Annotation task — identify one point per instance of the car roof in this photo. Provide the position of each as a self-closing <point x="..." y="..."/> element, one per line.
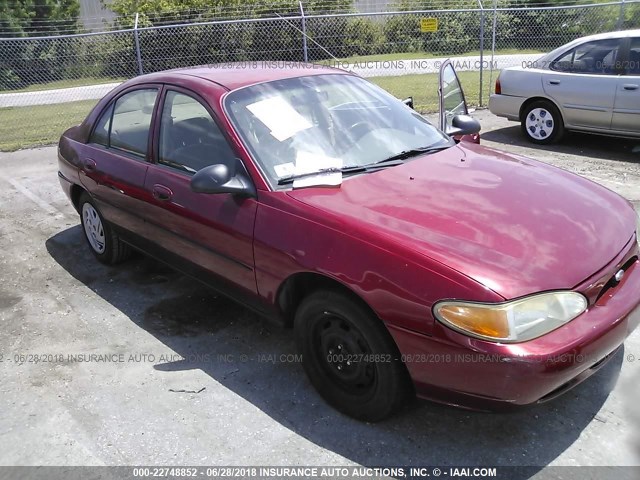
<point x="241" y="74"/>
<point x="608" y="35"/>
<point x="599" y="36"/>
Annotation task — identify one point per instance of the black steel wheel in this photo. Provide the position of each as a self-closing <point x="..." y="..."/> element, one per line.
<point x="350" y="356"/>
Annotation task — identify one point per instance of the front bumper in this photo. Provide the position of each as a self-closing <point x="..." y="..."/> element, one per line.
<point x="453" y="368"/>
<point x="506" y="106"/>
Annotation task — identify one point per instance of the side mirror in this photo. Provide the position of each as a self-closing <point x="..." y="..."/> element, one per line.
<point x="408" y="102"/>
<point x="463" y="125"/>
<point x="218" y="178"/>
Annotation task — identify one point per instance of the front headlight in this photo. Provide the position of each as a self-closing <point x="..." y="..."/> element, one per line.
<point x="514" y="321"/>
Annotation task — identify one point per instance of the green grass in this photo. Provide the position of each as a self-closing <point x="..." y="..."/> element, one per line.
<point x="424" y="88"/>
<point x="26" y="127"/>
<point x="77" y="82"/>
<point x="418" y="55"/>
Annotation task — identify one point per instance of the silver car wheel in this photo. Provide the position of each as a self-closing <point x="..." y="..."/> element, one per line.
<point x="540" y="124"/>
<point x="93" y="228"/>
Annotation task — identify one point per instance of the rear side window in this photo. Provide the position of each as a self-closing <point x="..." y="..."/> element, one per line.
<point x="596" y="57"/>
<point x="633" y="67"/>
<point x="100" y="133"/>
<point x="131" y="121"/>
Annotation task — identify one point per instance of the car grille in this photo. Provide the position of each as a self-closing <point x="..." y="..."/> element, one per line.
<point x="604" y="282"/>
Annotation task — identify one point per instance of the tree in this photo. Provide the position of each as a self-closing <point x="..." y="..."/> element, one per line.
<point x="154" y="12"/>
<point x="20" y="18"/>
<point x="33" y="61"/>
<point x="13" y="18"/>
<point x="277" y="39"/>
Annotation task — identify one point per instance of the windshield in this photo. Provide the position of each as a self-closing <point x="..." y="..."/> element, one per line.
<point x="325" y="122"/>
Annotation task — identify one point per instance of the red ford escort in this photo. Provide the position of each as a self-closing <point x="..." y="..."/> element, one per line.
<point x="407" y="262"/>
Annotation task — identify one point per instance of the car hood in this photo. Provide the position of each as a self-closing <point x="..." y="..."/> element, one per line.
<point x="513" y="224"/>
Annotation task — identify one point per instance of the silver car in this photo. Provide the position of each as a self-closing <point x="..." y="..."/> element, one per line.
<point x="591" y="85"/>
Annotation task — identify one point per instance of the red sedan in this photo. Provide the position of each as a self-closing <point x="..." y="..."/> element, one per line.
<point x="406" y="261"/>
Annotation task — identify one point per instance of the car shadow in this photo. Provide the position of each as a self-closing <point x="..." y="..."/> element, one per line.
<point x="256" y="359"/>
<point x="588" y="145"/>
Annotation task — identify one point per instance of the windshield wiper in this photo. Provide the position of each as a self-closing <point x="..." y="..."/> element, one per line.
<point x="414" y="152"/>
<point x="351" y="169"/>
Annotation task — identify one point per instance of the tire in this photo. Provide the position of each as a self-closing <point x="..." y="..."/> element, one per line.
<point x="103" y="241"/>
<point x="542" y="123"/>
<point x="332" y="332"/>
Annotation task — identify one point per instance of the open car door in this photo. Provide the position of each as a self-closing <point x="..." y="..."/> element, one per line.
<point x="453" y="103"/>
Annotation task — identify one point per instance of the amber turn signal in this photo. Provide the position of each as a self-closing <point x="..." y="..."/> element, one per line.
<point x="482" y="321"/>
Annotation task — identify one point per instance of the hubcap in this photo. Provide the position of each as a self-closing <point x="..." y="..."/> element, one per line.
<point x="93" y="228"/>
<point x="539" y="123"/>
<point x="345" y="355"/>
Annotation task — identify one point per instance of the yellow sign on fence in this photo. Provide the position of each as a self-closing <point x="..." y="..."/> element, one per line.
<point x="429" y="24"/>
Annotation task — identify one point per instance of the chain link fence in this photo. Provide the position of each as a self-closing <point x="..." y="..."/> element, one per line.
<point x="401" y="50"/>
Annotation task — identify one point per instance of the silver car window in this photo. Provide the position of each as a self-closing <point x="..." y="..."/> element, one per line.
<point x="633" y="65"/>
<point x="595" y="57"/>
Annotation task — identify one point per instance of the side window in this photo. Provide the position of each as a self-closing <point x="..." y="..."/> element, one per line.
<point x="633" y="68"/>
<point x="189" y="138"/>
<point x="597" y="57"/>
<point x="452" y="94"/>
<point x="132" y="121"/>
<point x="100" y="133"/>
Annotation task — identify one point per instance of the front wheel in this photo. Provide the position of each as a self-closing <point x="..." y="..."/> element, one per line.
<point x="542" y="123"/>
<point x="349" y="356"/>
<point x="104" y="243"/>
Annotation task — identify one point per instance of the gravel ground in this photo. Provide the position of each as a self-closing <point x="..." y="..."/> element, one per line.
<point x="182" y="376"/>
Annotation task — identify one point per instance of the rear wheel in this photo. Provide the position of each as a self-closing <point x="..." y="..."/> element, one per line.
<point x="104" y="243"/>
<point x="542" y="122"/>
<point x="350" y="357"/>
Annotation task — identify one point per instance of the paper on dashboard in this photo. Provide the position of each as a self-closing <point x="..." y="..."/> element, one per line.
<point x="282" y="120"/>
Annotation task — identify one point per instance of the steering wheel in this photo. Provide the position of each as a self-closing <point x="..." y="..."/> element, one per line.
<point x="273" y="151"/>
<point x="352" y="134"/>
<point x="360" y="128"/>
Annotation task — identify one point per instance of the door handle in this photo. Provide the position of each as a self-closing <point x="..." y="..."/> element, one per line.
<point x="114" y="188"/>
<point x="630" y="86"/>
<point x="554" y="82"/>
<point x="89" y="165"/>
<point x="162" y="193"/>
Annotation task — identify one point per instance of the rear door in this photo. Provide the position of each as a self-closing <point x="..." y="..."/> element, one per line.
<point x="212" y="233"/>
<point x="626" y="110"/>
<point x="583" y="83"/>
<point x="116" y="158"/>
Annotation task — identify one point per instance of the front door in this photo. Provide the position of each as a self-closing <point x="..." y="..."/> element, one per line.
<point x="212" y="232"/>
<point x="451" y="95"/>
